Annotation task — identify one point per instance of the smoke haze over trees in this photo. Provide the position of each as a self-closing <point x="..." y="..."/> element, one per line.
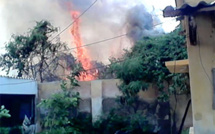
<point x="106" y="19"/>
<point x="34" y="55"/>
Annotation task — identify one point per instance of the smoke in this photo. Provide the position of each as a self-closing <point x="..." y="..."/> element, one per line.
<point x="20" y="15"/>
<point x="106" y="19"/>
<point x="141" y="23"/>
<point x="112" y="18"/>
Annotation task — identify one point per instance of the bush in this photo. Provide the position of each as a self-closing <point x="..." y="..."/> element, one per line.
<point x="4" y="112"/>
<point x="144" y="65"/>
<point x="4" y="130"/>
<point x="61" y="108"/>
<point x="115" y="122"/>
<point x="11" y="130"/>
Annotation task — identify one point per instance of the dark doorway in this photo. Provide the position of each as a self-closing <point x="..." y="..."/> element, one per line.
<point x="19" y="106"/>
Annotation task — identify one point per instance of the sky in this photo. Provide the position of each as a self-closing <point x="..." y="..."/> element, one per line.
<point x="17" y="16"/>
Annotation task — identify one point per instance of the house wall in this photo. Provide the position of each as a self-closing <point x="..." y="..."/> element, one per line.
<point x="99" y="97"/>
<point x="201" y="62"/>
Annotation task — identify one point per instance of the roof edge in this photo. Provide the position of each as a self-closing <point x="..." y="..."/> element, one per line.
<point x="186" y="9"/>
<point x="15" y="77"/>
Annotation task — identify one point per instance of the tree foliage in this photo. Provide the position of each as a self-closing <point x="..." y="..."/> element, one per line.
<point x="4" y="112"/>
<point x="144" y="64"/>
<point x="34" y="54"/>
<point x="61" y="108"/>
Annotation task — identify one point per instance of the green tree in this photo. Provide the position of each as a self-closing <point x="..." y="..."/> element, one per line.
<point x="62" y="107"/>
<point x="144" y="64"/>
<point x="35" y="54"/>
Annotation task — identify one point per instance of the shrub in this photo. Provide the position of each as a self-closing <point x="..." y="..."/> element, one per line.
<point x="4" y="112"/>
<point x="4" y="130"/>
<point x="11" y="130"/>
<point x="60" y="107"/>
<point x="115" y="122"/>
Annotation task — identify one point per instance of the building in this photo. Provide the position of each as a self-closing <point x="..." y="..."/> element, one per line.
<point x="18" y="95"/>
<point x="198" y="20"/>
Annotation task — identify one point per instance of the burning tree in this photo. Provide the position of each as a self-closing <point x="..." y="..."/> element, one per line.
<point x="35" y="55"/>
<point x="82" y="55"/>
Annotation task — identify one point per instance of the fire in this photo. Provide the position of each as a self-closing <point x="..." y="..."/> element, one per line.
<point x="82" y="54"/>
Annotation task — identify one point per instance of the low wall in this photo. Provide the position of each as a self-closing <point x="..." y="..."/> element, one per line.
<point x="99" y="96"/>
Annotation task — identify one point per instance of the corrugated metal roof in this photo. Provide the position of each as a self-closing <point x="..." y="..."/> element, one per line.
<point x="192" y="3"/>
<point x="201" y="4"/>
<point x="186" y="9"/>
<point x="14" y="77"/>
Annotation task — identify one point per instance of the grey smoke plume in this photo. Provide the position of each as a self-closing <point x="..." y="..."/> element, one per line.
<point x="141" y="23"/>
<point x="106" y="19"/>
<point x="109" y="19"/>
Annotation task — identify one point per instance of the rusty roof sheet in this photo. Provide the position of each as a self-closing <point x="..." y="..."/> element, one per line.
<point x="186" y="9"/>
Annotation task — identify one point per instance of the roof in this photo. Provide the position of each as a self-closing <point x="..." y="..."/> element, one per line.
<point x="178" y="66"/>
<point x="187" y="9"/>
<point x="17" y="86"/>
<point x="14" y="77"/>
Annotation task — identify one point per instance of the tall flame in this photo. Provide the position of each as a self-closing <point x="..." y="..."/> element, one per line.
<point x="82" y="54"/>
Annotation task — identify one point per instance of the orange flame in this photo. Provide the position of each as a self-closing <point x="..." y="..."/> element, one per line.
<point x="82" y="55"/>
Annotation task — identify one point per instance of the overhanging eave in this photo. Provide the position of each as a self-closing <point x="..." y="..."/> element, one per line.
<point x="178" y="66"/>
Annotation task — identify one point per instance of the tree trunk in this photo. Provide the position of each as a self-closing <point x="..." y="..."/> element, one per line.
<point x="42" y="62"/>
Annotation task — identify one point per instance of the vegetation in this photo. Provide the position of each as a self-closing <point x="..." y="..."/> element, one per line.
<point x="35" y="54"/>
<point x="186" y="131"/>
<point x="4" y="112"/>
<point x="62" y="108"/>
<point x="144" y="65"/>
<point x="137" y="69"/>
<point x="63" y="117"/>
<point x="116" y="122"/>
<point x="11" y="130"/>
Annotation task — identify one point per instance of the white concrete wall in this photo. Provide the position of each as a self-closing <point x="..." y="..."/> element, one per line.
<point x="96" y="99"/>
<point x="17" y="86"/>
